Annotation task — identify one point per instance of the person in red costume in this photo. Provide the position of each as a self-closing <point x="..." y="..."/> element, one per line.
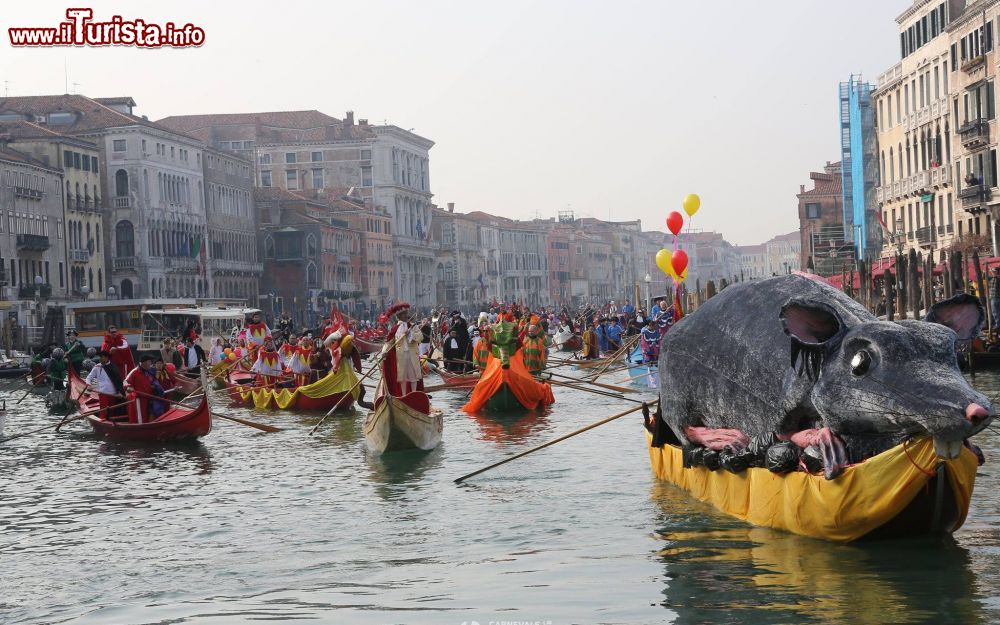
<point x="268" y="365"/>
<point x="139" y="383"/>
<point x="401" y="361"/>
<point x="117" y="346"/>
<point x="257" y="333"/>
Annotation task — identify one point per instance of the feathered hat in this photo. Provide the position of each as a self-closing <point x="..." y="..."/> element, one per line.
<point x="395" y="308"/>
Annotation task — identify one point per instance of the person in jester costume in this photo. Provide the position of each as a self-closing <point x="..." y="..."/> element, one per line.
<point x="504" y="334"/>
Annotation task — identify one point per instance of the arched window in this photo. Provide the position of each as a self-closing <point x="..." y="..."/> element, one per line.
<point x="90" y="282"/>
<point x="121" y="183"/>
<point x="311" y="249"/>
<point x="312" y="278"/>
<point x="126" y="291"/>
<point x="268" y="247"/>
<point x="79" y="198"/>
<point x="124" y="239"/>
<point x="100" y="280"/>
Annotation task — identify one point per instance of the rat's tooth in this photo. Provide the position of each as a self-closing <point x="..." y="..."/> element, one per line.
<point x="947" y="449"/>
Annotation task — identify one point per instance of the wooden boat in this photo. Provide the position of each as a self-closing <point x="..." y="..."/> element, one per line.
<point x="566" y="341"/>
<point x="176" y="424"/>
<point x="458" y="380"/>
<point x="186" y="385"/>
<point x="640" y="374"/>
<point x="367" y="346"/>
<point x="399" y="423"/>
<point x="904" y="491"/>
<point x="508" y="390"/>
<point x="595" y="363"/>
<point x="324" y="394"/>
<point x="979" y="361"/>
<point x="13" y="370"/>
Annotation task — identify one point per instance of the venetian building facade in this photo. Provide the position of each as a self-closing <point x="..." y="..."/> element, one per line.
<point x="401" y="181"/>
<point x="916" y="196"/>
<point x="233" y="266"/>
<point x="973" y="69"/>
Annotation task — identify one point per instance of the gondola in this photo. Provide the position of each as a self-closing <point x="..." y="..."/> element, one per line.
<point x="176" y="424"/>
<point x="566" y="341"/>
<point x="508" y="390"/>
<point x="400" y="423"/>
<point x="458" y="380"/>
<point x="904" y="491"/>
<point x="643" y="375"/>
<point x="367" y="345"/>
<point x="337" y="389"/>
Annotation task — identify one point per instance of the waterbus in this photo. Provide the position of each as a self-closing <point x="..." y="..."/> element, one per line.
<point x="91" y="319"/>
<point x="215" y="322"/>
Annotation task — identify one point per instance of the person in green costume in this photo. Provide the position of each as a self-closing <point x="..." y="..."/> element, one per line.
<point x="76" y="351"/>
<point x="57" y="369"/>
<point x="504" y="339"/>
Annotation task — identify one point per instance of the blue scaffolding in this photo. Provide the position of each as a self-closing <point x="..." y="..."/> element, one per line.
<point x="858" y="150"/>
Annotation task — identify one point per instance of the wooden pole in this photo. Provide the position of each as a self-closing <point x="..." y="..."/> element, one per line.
<point x="901" y="286"/>
<point x="556" y="440"/>
<point x="888" y="289"/>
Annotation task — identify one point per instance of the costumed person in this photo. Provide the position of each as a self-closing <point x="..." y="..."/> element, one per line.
<point x="165" y="375"/>
<point x="533" y="350"/>
<point x="169" y="353"/>
<point x="194" y="356"/>
<point x="299" y="362"/>
<point x="268" y="364"/>
<point x="106" y="379"/>
<point x="256" y="333"/>
<point x="650" y="339"/>
<point x="217" y="354"/>
<point x="503" y="336"/>
<point x="452" y="351"/>
<point x="613" y="332"/>
<point x="602" y="334"/>
<point x="591" y="347"/>
<point x="401" y="369"/>
<point x="117" y="346"/>
<point x="76" y="351"/>
<point x="461" y="328"/>
<point x="481" y="352"/>
<point x="288" y="350"/>
<point x="320" y="361"/>
<point x="56" y="369"/>
<point x="141" y="391"/>
<point x="345" y="356"/>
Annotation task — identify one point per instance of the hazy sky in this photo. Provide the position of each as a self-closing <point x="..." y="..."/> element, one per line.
<point x="611" y="109"/>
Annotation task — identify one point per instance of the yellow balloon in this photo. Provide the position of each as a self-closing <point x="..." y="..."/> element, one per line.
<point x="663" y="262"/>
<point x="691" y="204"/>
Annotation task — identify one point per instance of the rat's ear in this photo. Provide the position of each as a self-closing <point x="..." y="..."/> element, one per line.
<point x="962" y="313"/>
<point x="814" y="328"/>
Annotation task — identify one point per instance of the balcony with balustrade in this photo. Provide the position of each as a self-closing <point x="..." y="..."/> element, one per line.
<point x="32" y="242"/>
<point x="79" y="255"/>
<point x="122" y="263"/>
<point x="975" y="134"/>
<point x="974" y="197"/>
<point x="123" y="202"/>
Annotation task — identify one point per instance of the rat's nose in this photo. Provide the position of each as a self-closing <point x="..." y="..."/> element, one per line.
<point x="975" y="413"/>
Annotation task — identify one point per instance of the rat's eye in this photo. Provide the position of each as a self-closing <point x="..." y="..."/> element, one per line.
<point x="861" y="362"/>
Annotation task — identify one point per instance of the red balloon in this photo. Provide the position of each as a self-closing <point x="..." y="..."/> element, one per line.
<point x="170" y="367"/>
<point x="675" y="222"/>
<point x="679" y="261"/>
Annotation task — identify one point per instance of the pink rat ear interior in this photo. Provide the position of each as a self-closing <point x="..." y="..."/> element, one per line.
<point x="809" y="322"/>
<point x="962" y="313"/>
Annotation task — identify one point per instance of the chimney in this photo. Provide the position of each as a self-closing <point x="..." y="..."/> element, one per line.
<point x="349" y="118"/>
<point x="802" y="188"/>
<point x="362" y="122"/>
<point x="451" y="207"/>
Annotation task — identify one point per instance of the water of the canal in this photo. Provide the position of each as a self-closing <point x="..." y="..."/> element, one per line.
<point x="247" y="526"/>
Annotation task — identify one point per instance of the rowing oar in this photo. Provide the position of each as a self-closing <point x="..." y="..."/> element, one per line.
<point x="591" y="390"/>
<point x="61" y="423"/>
<point x="610" y="387"/>
<point x="641" y="375"/>
<point x="260" y="426"/>
<point x="556" y="440"/>
<point x="378" y="360"/>
<point x="623" y="349"/>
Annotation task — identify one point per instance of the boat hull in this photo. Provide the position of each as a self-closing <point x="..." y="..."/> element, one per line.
<point x="904" y="491"/>
<point x="239" y="393"/>
<point x="504" y="401"/>
<point x="176" y="424"/>
<point x="458" y="380"/>
<point x="401" y="423"/>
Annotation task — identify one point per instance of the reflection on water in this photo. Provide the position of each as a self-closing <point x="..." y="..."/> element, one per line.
<point x="512" y="428"/>
<point x="289" y="527"/>
<point x="720" y="570"/>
